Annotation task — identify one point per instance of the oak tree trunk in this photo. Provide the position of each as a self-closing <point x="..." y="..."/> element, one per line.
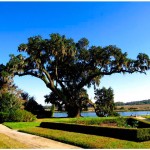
<point x="73" y="111"/>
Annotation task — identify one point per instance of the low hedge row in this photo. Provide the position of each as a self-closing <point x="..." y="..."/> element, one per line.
<point x="121" y="133"/>
<point x="132" y="134"/>
<point x="140" y="123"/>
<point x="143" y="134"/>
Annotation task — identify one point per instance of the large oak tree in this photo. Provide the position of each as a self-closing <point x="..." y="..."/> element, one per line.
<point x="66" y="66"/>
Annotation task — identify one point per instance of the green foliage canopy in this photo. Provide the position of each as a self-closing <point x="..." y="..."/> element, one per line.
<point x="9" y="102"/>
<point x="9" y="93"/>
<point x="104" y="102"/>
<point x="67" y="66"/>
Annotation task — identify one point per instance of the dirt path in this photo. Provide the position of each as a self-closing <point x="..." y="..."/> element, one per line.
<point x="139" y="117"/>
<point x="34" y="141"/>
<point x="142" y="118"/>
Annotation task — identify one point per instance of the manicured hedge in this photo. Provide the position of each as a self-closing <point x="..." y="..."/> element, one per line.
<point x="143" y="131"/>
<point x="121" y="133"/>
<point x="140" y="123"/>
<point x="132" y="134"/>
<point x="143" y="134"/>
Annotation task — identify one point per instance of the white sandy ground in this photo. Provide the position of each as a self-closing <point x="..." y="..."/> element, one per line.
<point x="139" y="117"/>
<point x="34" y="141"/>
<point x="142" y="118"/>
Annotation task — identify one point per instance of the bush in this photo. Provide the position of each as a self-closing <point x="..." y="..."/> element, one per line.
<point x="4" y="116"/>
<point x="133" y="122"/>
<point x="21" y="116"/>
<point x="122" y="122"/>
<point x="9" y="102"/>
<point x="114" y="114"/>
<point x="143" y="134"/>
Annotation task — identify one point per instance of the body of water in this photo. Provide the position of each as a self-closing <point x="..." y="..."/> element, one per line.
<point x="93" y="114"/>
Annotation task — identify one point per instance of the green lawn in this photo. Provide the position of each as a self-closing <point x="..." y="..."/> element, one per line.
<point x="120" y="121"/>
<point x="83" y="140"/>
<point x="20" y="125"/>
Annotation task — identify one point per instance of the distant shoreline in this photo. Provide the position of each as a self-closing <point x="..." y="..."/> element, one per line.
<point x="124" y="108"/>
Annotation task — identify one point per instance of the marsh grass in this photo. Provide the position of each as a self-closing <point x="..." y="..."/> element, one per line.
<point x="143" y="107"/>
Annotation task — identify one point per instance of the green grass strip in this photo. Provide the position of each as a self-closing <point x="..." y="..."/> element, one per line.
<point x="20" y="125"/>
<point x="85" y="140"/>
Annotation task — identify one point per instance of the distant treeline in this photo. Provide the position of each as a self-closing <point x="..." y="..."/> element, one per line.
<point x="133" y="103"/>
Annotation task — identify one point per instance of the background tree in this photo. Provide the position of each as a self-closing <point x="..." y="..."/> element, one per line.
<point x="30" y="104"/>
<point x="52" y="110"/>
<point x="9" y="102"/>
<point x="7" y="84"/>
<point x="6" y="81"/>
<point x="119" y="103"/>
<point x="10" y="98"/>
<point x="54" y="99"/>
<point x="104" y="105"/>
<point x="66" y="67"/>
<point x="84" y="99"/>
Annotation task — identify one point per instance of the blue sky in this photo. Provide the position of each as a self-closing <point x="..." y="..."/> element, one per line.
<point x="124" y="24"/>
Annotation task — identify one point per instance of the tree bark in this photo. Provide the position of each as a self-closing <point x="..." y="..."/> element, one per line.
<point x="73" y="111"/>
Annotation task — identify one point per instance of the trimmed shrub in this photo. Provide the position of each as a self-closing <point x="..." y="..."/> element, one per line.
<point x="121" y="133"/>
<point x="133" y="122"/>
<point x="138" y="123"/>
<point x="143" y="134"/>
<point x="21" y="116"/>
<point x="134" y="134"/>
<point x="144" y="124"/>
